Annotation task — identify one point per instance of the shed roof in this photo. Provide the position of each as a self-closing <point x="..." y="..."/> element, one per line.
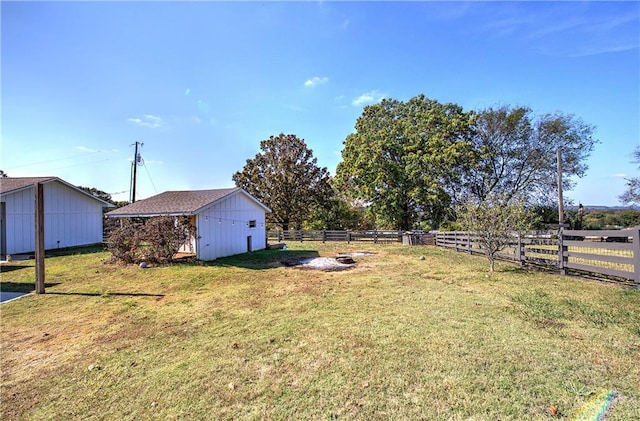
<point x="10" y="185"/>
<point x="175" y="203"/>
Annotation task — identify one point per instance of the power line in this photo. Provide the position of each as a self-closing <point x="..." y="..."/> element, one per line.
<point x="76" y="165"/>
<point x="144" y="164"/>
<point x="51" y="160"/>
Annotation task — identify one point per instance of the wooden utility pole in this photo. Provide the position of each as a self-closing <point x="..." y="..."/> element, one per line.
<point x="134" y="171"/>
<point x="560" y="201"/>
<point x="39" y="232"/>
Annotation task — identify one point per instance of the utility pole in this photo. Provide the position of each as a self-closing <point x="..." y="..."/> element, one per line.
<point x="560" y="201"/>
<point x="134" y="168"/>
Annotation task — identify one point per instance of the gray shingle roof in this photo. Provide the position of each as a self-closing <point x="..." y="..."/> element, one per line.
<point x="173" y="203"/>
<point x="10" y="184"/>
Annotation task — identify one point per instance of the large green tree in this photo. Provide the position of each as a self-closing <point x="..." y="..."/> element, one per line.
<point x="285" y="177"/>
<point x="102" y="195"/>
<point x="632" y="194"/>
<point x="341" y="212"/>
<point x="516" y="154"/>
<point x="402" y="156"/>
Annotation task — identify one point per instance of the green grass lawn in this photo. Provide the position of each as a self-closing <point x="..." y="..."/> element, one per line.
<point x="397" y="337"/>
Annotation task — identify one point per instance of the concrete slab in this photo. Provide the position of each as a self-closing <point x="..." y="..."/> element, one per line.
<point x="6" y="296"/>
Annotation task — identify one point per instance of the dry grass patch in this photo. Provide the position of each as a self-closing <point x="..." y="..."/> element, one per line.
<point x="396" y="337"/>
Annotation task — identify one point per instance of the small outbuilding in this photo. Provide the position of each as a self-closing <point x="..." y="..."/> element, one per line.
<point x="72" y="216"/>
<point x="227" y="221"/>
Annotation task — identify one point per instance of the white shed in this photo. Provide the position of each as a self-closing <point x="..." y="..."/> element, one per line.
<point x="72" y="216"/>
<point x="228" y="221"/>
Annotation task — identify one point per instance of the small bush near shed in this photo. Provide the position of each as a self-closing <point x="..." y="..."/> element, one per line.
<point x="165" y="236"/>
<point x="155" y="241"/>
<point x="125" y="241"/>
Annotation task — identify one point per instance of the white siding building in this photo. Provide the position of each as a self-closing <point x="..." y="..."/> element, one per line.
<point x="72" y="217"/>
<point x="227" y="221"/>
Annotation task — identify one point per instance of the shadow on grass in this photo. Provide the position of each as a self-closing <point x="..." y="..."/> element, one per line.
<point x="514" y="269"/>
<point x="73" y="251"/>
<point x="5" y="269"/>
<point x="263" y="259"/>
<point x="23" y="286"/>
<point x="106" y="294"/>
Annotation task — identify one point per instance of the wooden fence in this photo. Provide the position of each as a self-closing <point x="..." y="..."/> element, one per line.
<point x="372" y="236"/>
<point x="611" y="253"/>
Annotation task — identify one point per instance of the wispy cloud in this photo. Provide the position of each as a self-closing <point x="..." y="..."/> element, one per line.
<point x="586" y="52"/>
<point x="148" y="120"/>
<point x="371" y="97"/>
<point x="91" y="150"/>
<point x="619" y="175"/>
<point x="153" y="162"/>
<point x="296" y="108"/>
<point x="86" y="149"/>
<point x="565" y="30"/>
<point x="315" y="81"/>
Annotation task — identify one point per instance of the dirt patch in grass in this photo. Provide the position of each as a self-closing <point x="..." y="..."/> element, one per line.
<point x="343" y="261"/>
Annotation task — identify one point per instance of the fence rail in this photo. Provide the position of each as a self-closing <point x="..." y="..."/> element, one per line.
<point x="373" y="236"/>
<point x="611" y="253"/>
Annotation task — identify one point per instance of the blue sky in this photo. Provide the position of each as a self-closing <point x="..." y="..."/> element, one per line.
<point x="202" y="83"/>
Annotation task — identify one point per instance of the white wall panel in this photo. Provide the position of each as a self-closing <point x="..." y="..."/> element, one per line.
<point x="20" y="221"/>
<point x="223" y="228"/>
<point x="71" y="219"/>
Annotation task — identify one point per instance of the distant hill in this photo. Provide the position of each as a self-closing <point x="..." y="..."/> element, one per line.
<point x="603" y="208"/>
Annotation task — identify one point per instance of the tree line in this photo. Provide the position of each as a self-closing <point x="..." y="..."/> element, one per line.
<point x="422" y="164"/>
<point x="418" y="164"/>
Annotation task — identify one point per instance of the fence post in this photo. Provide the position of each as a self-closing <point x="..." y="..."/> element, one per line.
<point x="455" y="240"/>
<point x="301" y="235"/>
<point x="636" y="256"/>
<point x="324" y="236"/>
<point x="469" y="242"/>
<point x="375" y="236"/>
<point x="348" y="236"/>
<point x="519" y="250"/>
<point x="561" y="250"/>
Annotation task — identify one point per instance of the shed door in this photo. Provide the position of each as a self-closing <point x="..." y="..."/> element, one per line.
<point x="249" y="244"/>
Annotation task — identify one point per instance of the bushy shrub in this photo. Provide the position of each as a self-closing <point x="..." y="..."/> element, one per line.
<point x="125" y="241"/>
<point x="155" y="241"/>
<point x="164" y="237"/>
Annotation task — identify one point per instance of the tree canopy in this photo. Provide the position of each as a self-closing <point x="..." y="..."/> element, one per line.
<point x="102" y="195"/>
<point x="516" y="154"/>
<point x="286" y="178"/>
<point x="402" y="156"/>
<point x="632" y="194"/>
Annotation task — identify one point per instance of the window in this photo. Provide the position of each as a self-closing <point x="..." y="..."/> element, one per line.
<point x="252" y="223"/>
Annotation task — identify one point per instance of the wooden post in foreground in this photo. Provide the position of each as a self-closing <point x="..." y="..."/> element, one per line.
<point x="561" y="249"/>
<point x="39" y="232"/>
<point x="560" y="200"/>
<point x="636" y="256"/>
